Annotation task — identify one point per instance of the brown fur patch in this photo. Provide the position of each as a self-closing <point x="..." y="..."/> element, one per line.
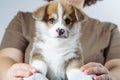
<point x="76" y="62"/>
<point x="52" y="8"/>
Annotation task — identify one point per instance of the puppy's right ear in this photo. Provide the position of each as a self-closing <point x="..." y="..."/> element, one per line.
<point x="78" y="14"/>
<point x="39" y="13"/>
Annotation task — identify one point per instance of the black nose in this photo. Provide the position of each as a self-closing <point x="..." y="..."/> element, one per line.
<point x="60" y="31"/>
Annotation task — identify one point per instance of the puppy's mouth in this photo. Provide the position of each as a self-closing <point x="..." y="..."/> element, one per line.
<point x="62" y="37"/>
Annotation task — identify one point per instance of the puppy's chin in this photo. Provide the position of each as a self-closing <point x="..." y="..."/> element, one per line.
<point x="59" y="37"/>
<point x="62" y="37"/>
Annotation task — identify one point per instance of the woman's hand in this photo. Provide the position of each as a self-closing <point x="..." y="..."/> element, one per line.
<point x="101" y="72"/>
<point x="20" y="70"/>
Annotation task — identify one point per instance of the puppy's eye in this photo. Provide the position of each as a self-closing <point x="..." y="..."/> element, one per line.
<point x="67" y="21"/>
<point x="52" y="20"/>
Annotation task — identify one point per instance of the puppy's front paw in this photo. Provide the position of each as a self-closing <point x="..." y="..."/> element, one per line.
<point x="76" y="74"/>
<point x="36" y="76"/>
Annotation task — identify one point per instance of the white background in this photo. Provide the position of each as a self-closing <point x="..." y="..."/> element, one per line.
<point x="106" y="10"/>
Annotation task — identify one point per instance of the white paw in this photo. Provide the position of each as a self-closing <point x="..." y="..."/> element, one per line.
<point x="76" y="74"/>
<point x="36" y="76"/>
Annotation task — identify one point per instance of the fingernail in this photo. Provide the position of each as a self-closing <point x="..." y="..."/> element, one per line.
<point x="28" y="74"/>
<point x="82" y="69"/>
<point x="33" y="70"/>
<point x="86" y="72"/>
<point x="95" y="78"/>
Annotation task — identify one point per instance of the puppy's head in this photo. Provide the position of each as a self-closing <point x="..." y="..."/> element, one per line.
<point x="58" y="18"/>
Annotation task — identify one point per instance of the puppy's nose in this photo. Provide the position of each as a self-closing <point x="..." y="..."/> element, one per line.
<point x="60" y="31"/>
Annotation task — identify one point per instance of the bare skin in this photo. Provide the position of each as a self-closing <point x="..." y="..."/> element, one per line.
<point x="13" y="68"/>
<point x="108" y="72"/>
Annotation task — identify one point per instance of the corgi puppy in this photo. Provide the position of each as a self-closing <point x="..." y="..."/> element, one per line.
<point x="57" y="51"/>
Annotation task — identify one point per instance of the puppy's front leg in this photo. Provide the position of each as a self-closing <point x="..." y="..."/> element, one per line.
<point x="40" y="65"/>
<point x="73" y="71"/>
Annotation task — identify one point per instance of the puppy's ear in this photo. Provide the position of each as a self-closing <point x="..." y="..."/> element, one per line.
<point x="78" y="14"/>
<point x="39" y="13"/>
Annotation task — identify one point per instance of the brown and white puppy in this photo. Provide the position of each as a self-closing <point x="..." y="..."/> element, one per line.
<point x="57" y="52"/>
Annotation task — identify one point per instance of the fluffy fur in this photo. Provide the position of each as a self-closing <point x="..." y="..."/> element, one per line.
<point x="57" y="51"/>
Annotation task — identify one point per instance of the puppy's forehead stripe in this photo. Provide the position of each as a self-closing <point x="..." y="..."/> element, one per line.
<point x="60" y="12"/>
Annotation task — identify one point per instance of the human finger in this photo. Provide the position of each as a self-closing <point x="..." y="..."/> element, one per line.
<point x="103" y="77"/>
<point x="20" y="70"/>
<point x="89" y="65"/>
<point x="97" y="70"/>
<point x="24" y="66"/>
<point x="15" y="78"/>
<point x="22" y="73"/>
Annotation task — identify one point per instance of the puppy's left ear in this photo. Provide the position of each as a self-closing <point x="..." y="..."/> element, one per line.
<point x="78" y="14"/>
<point x="39" y="13"/>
